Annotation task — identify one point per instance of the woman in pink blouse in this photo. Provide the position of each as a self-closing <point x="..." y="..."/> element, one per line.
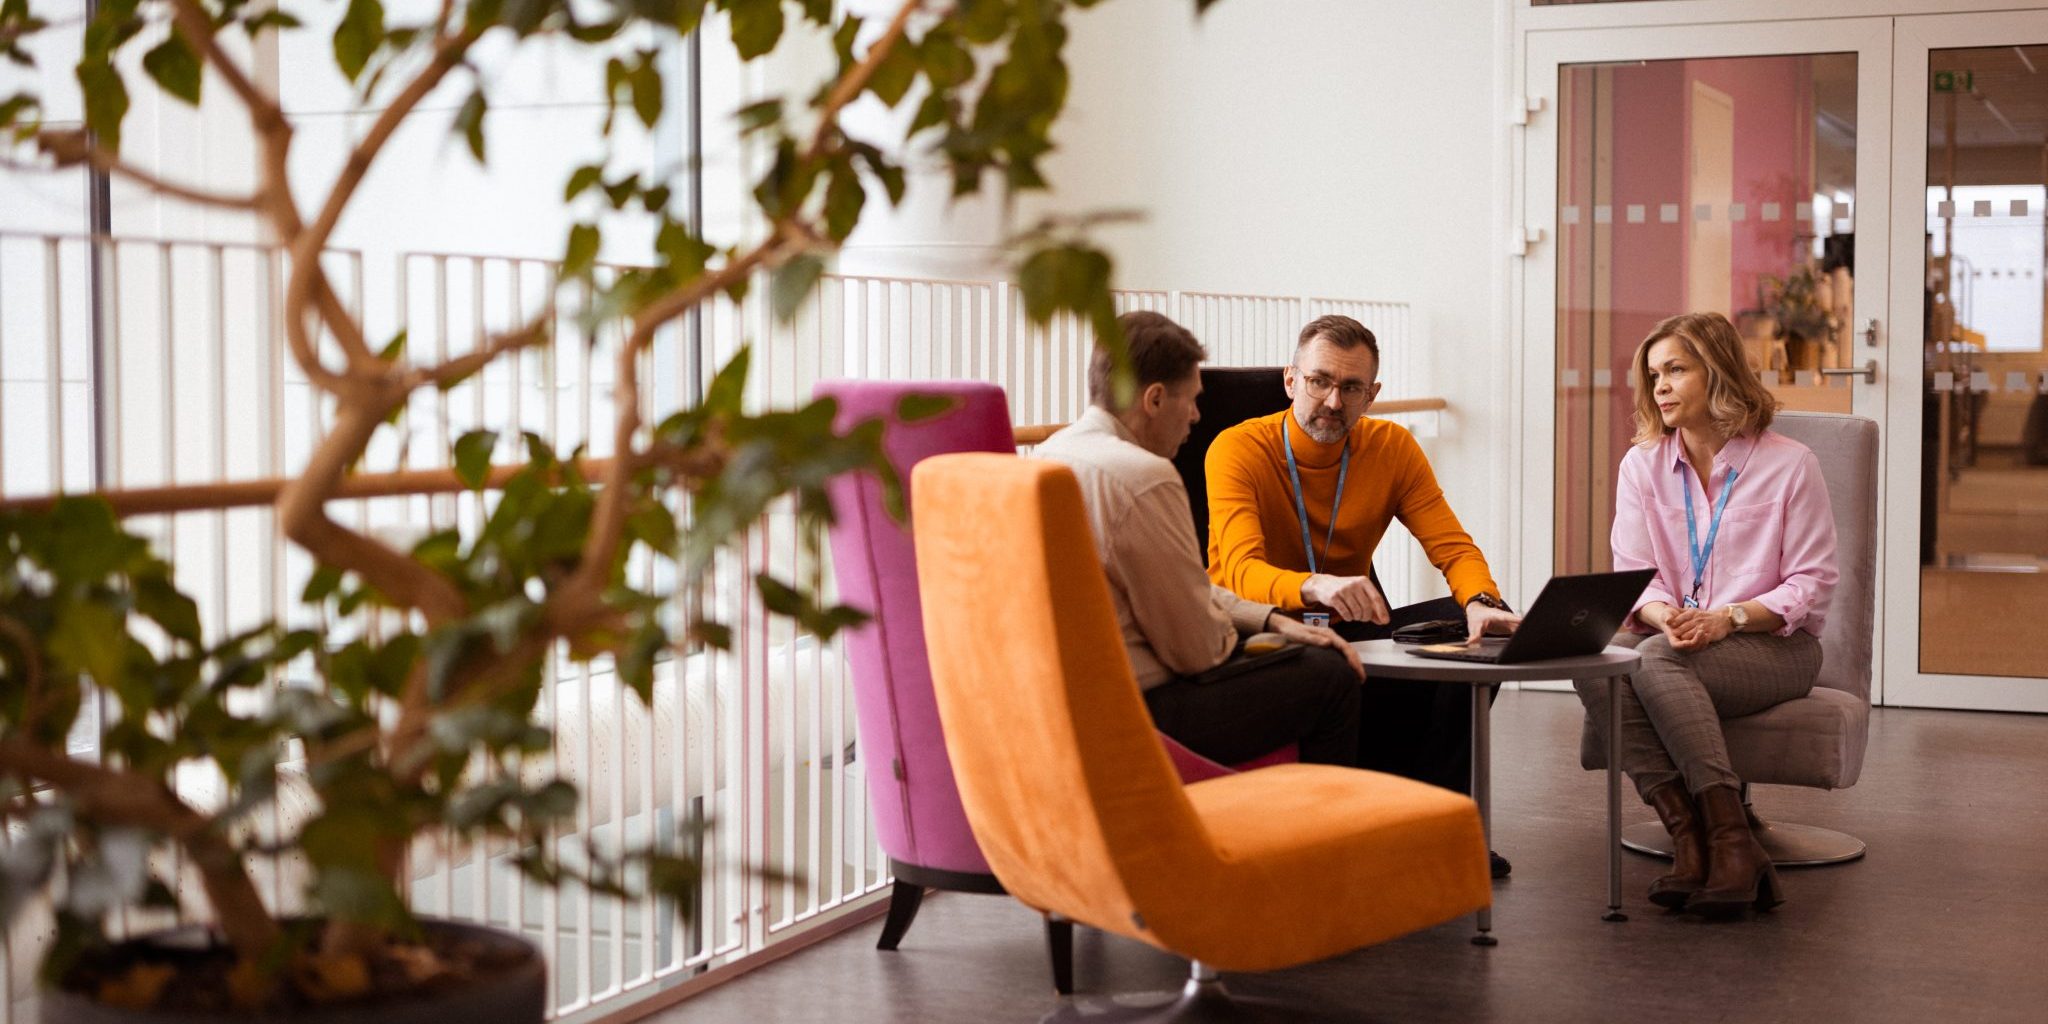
<point x="1735" y="520"/>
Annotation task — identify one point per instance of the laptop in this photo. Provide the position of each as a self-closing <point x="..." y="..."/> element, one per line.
<point x="1573" y="616"/>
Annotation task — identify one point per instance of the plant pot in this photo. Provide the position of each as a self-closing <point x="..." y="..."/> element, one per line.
<point x="509" y="992"/>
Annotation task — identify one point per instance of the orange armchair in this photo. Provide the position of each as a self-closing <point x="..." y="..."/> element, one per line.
<point x="1076" y="806"/>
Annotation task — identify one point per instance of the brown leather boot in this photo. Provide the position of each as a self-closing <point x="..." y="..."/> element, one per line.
<point x="1739" y="873"/>
<point x="1688" y="846"/>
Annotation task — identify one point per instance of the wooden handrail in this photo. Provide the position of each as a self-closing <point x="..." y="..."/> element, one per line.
<point x="148" y="501"/>
<point x="1037" y="433"/>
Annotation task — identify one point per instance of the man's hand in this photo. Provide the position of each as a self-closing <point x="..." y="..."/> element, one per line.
<point x="1316" y="636"/>
<point x="1482" y="619"/>
<point x="1351" y="597"/>
<point x="1692" y="629"/>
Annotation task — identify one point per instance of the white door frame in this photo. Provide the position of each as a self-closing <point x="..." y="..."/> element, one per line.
<point x="1532" y="486"/>
<point x="1899" y="615"/>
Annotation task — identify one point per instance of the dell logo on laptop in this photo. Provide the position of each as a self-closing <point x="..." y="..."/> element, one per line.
<point x="1580" y="615"/>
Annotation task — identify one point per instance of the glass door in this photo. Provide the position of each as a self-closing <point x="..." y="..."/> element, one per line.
<point x="1967" y="576"/>
<point x="1705" y="168"/>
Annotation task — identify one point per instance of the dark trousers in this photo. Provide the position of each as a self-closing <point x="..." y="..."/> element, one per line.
<point x="1416" y="730"/>
<point x="1311" y="700"/>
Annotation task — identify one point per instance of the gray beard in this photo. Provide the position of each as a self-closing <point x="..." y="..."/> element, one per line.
<point x="1322" y="430"/>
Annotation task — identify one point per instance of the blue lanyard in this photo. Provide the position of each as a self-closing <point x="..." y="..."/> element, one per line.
<point x="1700" y="555"/>
<point x="1301" y="506"/>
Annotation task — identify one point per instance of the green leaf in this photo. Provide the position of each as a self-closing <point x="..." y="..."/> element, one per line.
<point x="325" y="581"/>
<point x="473" y="457"/>
<point x="360" y="33"/>
<point x="946" y="62"/>
<point x="274" y="19"/>
<point x="175" y="67"/>
<point x="844" y="198"/>
<point x="912" y="408"/>
<point x="106" y="101"/>
<point x="645" y="83"/>
<point x="157" y="599"/>
<point x="756" y="26"/>
<point x="729" y="385"/>
<point x="581" y="180"/>
<point x="793" y="283"/>
<point x="92" y="638"/>
<point x="470" y="122"/>
<point x="655" y="526"/>
<point x="636" y="662"/>
<point x="755" y="116"/>
<point x="712" y="634"/>
<point x="934" y="111"/>
<point x="894" y="75"/>
<point x="581" y="252"/>
<point x="393" y="348"/>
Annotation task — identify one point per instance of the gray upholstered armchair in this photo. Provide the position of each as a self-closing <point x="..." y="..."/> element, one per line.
<point x="1817" y="740"/>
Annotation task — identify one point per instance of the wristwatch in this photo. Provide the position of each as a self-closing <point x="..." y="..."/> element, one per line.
<point x="1738" y="615"/>
<point x="1488" y="600"/>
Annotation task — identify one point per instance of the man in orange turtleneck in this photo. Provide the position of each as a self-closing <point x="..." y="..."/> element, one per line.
<point x="1298" y="501"/>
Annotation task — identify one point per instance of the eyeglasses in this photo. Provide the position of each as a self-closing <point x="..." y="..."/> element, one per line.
<point x="1353" y="392"/>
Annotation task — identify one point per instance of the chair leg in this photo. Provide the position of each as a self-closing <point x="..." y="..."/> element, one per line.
<point x="904" y="899"/>
<point x="1059" y="941"/>
<point x="1202" y="1000"/>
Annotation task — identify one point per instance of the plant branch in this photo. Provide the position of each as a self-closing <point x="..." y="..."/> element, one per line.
<point x="69" y="148"/>
<point x="116" y="797"/>
<point x="307" y="242"/>
<point x="445" y="375"/>
<point x="301" y="509"/>
<point x="848" y="88"/>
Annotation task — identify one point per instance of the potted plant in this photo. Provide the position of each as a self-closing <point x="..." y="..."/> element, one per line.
<point x="1804" y="319"/>
<point x="426" y="723"/>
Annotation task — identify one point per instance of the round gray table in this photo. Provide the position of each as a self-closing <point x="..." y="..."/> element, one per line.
<point x="1385" y="659"/>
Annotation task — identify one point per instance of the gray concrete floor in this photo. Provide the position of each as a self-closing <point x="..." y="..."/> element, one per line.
<point x="1941" y="922"/>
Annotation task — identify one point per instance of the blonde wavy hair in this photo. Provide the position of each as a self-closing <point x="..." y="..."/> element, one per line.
<point x="1737" y="401"/>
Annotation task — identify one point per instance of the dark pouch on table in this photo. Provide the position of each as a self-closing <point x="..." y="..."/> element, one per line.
<point x="1240" y="663"/>
<point x="1435" y="631"/>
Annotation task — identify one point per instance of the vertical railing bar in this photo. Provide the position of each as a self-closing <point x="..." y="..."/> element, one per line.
<point x="270" y="445"/>
<point x="53" y="317"/>
<point x="550" y="899"/>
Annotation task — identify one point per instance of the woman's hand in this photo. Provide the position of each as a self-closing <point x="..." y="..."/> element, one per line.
<point x="1692" y="629"/>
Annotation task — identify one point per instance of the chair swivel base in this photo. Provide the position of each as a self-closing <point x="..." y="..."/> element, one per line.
<point x="1789" y="845"/>
<point x="1203" y="1000"/>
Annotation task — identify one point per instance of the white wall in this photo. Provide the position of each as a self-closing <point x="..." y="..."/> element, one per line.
<point x="1341" y="148"/>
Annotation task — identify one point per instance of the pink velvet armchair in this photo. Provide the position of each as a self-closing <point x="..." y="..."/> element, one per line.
<point x="919" y="821"/>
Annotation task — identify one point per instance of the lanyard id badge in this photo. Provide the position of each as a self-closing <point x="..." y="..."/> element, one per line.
<point x="1701" y="554"/>
<point x="1301" y="504"/>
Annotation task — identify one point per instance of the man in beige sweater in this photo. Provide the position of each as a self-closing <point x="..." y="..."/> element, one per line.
<point x="1181" y="631"/>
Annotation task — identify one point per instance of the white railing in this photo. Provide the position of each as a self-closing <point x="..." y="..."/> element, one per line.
<point x="189" y="383"/>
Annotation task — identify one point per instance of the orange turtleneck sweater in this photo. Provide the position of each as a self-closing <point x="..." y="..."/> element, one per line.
<point x="1255" y="534"/>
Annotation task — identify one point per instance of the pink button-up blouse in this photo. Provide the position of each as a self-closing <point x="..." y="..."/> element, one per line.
<point x="1777" y="540"/>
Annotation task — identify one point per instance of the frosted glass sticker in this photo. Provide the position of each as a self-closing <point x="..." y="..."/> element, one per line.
<point x="1668" y="213"/>
<point x="1703" y="213"/>
<point x="1980" y="381"/>
<point x="1738" y="211"/>
<point x="1944" y="380"/>
<point x="1569" y="215"/>
<point x="1635" y="213"/>
<point x="1773" y="212"/>
<point x="1603" y="214"/>
<point x="2015" y="380"/>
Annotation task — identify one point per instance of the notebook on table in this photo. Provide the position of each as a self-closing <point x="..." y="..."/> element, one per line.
<point x="1573" y="616"/>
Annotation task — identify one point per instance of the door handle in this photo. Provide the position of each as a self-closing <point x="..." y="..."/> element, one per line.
<point x="1868" y="371"/>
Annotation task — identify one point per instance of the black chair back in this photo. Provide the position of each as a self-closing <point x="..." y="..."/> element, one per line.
<point x="1230" y="396"/>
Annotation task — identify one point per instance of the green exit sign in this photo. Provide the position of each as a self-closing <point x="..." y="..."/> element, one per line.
<point x="1954" y="81"/>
